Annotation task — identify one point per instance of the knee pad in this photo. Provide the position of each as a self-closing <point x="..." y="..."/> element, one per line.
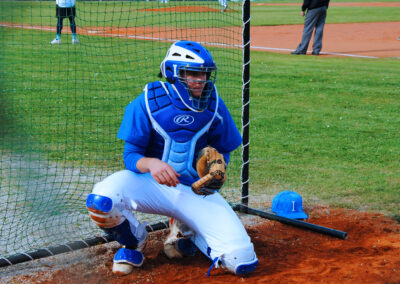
<point x="102" y="211"/>
<point x="110" y="220"/>
<point x="240" y="261"/>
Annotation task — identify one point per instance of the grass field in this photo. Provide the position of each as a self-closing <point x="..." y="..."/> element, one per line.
<point x="327" y="128"/>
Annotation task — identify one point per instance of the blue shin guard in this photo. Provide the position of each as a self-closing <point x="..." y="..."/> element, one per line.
<point x="123" y="234"/>
<point x="108" y="218"/>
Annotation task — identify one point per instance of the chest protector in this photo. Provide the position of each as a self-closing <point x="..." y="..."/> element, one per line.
<point x="179" y="126"/>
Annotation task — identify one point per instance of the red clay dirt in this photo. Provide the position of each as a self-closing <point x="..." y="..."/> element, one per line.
<point x="363" y="39"/>
<point x="287" y="254"/>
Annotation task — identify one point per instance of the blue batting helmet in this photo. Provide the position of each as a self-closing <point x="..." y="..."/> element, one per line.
<point x="185" y="56"/>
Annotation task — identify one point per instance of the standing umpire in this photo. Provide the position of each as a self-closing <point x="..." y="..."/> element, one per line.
<point x="65" y="9"/>
<point x="315" y="18"/>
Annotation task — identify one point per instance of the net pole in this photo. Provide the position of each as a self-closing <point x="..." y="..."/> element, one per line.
<point x="245" y="105"/>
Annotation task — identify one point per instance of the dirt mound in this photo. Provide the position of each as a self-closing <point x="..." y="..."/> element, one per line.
<point x="371" y="254"/>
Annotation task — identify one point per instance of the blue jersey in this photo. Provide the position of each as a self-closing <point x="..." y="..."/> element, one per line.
<point x="157" y="124"/>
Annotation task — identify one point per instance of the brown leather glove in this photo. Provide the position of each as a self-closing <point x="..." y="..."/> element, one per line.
<point x="211" y="168"/>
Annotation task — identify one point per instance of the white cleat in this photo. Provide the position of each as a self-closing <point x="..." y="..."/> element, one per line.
<point x="125" y="259"/>
<point x="75" y="41"/>
<point x="56" y="41"/>
<point x="177" y="243"/>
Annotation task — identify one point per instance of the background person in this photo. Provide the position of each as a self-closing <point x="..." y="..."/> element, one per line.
<point x="315" y="18"/>
<point x="224" y="4"/>
<point x="65" y="9"/>
<point x="165" y="129"/>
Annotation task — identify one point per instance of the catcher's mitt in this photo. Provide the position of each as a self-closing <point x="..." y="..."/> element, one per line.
<point x="211" y="168"/>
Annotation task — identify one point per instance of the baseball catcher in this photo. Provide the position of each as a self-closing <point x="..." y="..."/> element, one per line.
<point x="176" y="151"/>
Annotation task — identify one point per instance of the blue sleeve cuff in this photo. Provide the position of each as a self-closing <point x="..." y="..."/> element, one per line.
<point x="132" y="154"/>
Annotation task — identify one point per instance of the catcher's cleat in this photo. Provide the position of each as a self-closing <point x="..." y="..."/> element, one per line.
<point x="125" y="259"/>
<point x="177" y="244"/>
<point x="240" y="261"/>
<point x="246" y="268"/>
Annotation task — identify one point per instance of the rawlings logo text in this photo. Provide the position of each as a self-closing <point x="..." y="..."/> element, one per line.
<point x="184" y="119"/>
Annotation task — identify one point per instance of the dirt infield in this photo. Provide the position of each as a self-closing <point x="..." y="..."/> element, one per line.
<point x="371" y="254"/>
<point x="358" y="39"/>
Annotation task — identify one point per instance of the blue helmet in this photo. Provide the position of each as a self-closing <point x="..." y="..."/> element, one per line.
<point x="184" y="56"/>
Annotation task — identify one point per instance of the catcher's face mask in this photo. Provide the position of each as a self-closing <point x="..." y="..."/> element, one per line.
<point x="199" y="83"/>
<point x="191" y="68"/>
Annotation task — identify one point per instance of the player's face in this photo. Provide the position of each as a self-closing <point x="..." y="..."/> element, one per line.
<point x="196" y="81"/>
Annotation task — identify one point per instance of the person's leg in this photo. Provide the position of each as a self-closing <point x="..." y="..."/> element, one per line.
<point x="72" y="24"/>
<point x="178" y="242"/>
<point x="111" y="205"/>
<point x="59" y="16"/>
<point x="309" y="24"/>
<point x="57" y="40"/>
<point x="59" y="27"/>
<point x="59" y="21"/>
<point x="224" y="4"/>
<point x="319" y="30"/>
<point x="219" y="233"/>
<point x="73" y="30"/>
<point x="71" y="17"/>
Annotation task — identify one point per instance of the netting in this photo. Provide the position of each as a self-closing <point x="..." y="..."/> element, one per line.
<point x="62" y="104"/>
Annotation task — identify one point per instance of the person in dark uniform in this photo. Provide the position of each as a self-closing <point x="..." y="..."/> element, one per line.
<point x="315" y="11"/>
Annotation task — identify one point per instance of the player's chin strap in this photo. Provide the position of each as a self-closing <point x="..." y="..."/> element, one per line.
<point x="215" y="263"/>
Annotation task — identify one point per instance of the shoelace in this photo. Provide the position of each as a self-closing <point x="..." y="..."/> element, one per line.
<point x="212" y="265"/>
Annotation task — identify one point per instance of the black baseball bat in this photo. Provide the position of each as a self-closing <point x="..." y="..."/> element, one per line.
<point x="292" y="222"/>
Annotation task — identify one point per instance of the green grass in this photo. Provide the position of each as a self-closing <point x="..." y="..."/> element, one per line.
<point x="327" y="127"/>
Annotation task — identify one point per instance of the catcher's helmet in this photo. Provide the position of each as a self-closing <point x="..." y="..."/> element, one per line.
<point x="185" y="56"/>
<point x="288" y="204"/>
